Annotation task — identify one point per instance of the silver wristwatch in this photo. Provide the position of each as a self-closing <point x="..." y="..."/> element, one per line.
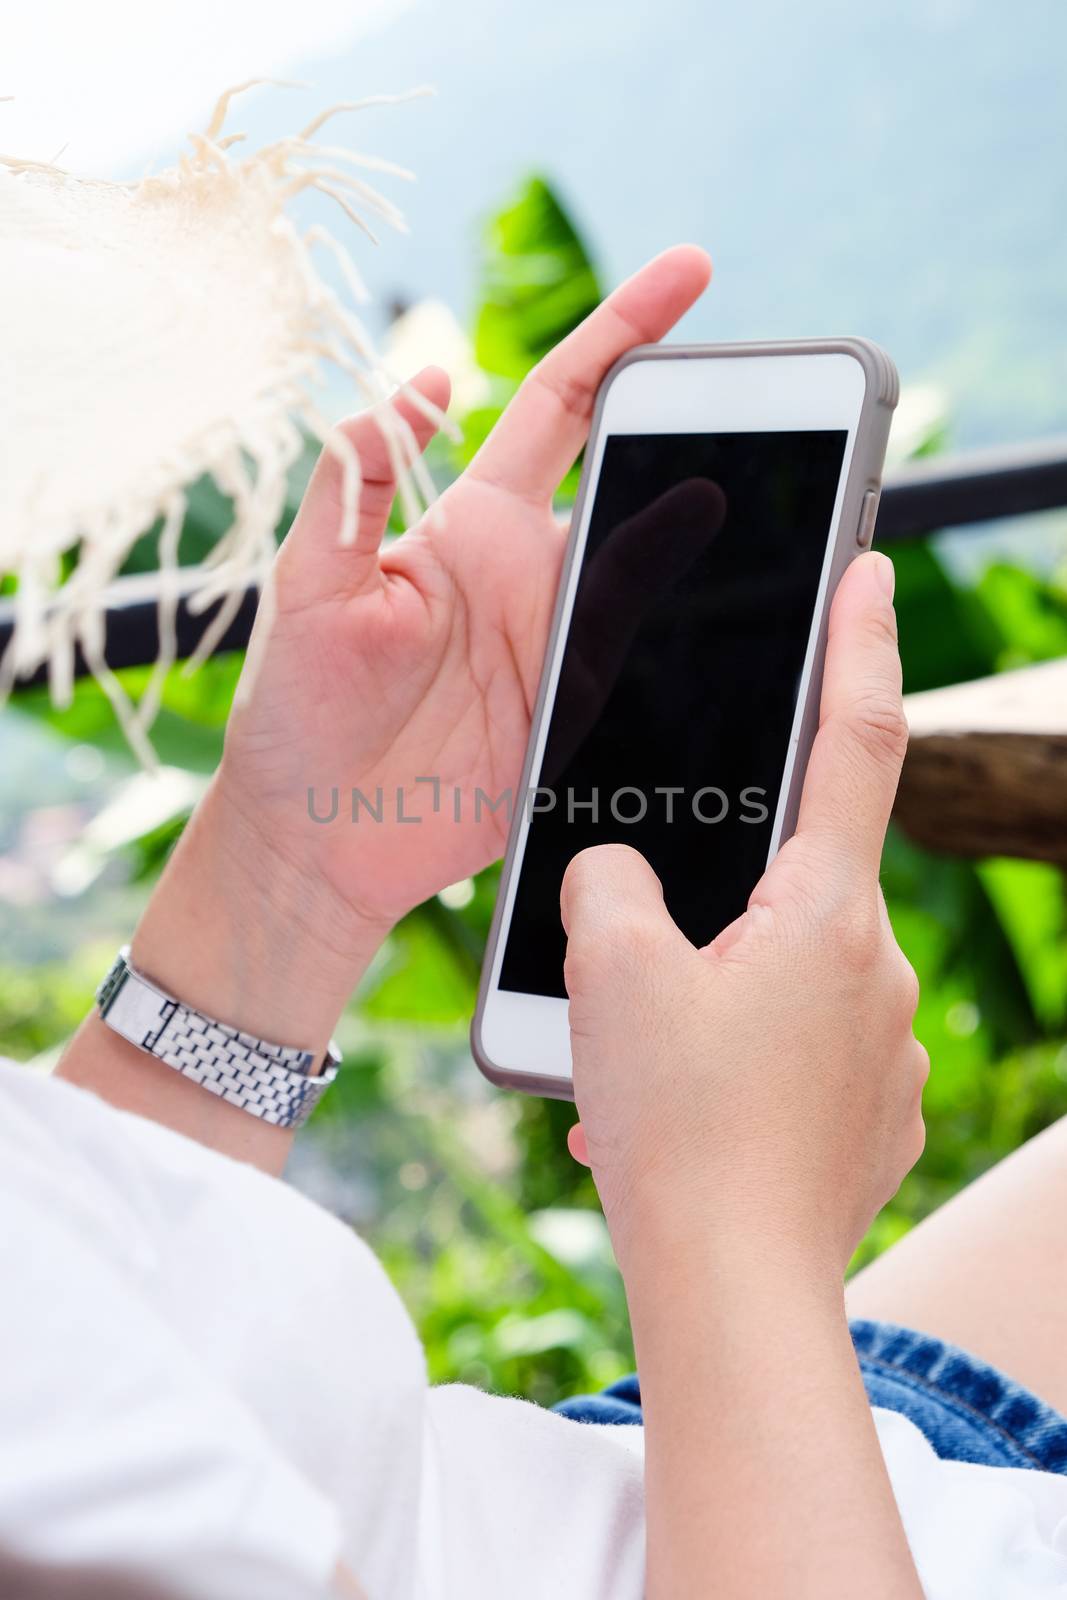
<point x="272" y="1081"/>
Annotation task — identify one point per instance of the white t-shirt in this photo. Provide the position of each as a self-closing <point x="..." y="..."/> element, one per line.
<point x="207" y="1380"/>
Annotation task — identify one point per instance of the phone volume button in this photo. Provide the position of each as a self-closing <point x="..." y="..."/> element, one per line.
<point x="868" y="513"/>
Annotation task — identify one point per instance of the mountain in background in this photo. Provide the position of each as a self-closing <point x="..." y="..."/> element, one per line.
<point x="892" y="171"/>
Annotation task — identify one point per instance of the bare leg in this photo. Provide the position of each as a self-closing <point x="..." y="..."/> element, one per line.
<point x="988" y="1271"/>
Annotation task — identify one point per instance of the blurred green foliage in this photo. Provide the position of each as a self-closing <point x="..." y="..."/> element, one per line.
<point x="488" y="1228"/>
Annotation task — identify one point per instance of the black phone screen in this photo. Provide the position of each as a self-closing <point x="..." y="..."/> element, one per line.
<point x="679" y="678"/>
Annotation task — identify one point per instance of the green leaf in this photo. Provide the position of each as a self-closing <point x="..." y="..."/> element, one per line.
<point x="428" y="975"/>
<point x="1031" y="906"/>
<point x="952" y="933"/>
<point x="538" y="282"/>
<point x="1028" y="612"/>
<point x="188" y="731"/>
<point x="946" y="635"/>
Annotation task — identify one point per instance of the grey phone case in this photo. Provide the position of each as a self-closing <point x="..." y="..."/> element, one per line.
<point x="865" y="474"/>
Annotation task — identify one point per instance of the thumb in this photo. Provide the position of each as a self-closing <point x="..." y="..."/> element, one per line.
<point x="618" y="927"/>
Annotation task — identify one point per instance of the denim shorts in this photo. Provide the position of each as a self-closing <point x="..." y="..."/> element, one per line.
<point x="968" y="1410"/>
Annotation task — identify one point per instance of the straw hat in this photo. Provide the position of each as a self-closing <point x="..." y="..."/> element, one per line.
<point x="154" y="332"/>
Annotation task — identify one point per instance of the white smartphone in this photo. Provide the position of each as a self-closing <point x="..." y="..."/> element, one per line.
<point x="725" y="490"/>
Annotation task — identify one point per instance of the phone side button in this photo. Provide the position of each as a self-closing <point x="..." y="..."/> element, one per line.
<point x="868" y="513"/>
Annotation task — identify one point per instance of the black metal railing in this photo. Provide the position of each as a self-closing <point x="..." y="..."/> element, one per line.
<point x="978" y="486"/>
<point x="920" y="498"/>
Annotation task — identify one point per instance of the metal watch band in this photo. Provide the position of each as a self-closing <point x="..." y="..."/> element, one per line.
<point x="271" y="1081"/>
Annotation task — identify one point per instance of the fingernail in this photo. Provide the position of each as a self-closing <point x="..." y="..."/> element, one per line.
<point x="885" y="574"/>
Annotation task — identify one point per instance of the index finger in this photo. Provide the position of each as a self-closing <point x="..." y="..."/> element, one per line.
<point x="855" y="762"/>
<point x="531" y="448"/>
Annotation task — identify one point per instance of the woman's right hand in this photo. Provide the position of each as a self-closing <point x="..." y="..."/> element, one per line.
<point x="770" y="1085"/>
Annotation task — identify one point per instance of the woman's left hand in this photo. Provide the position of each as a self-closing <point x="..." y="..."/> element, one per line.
<point x="403" y="670"/>
<point x="380" y="669"/>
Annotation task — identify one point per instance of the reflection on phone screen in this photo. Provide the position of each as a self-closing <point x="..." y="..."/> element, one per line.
<point x="679" y="679"/>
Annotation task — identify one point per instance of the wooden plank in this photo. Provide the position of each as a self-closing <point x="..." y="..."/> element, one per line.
<point x="986" y="769"/>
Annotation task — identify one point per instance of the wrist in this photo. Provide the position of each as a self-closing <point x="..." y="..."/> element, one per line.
<point x="303" y="884"/>
<point x="730" y="1291"/>
<point x="235" y="931"/>
<point x="668" y="1237"/>
<point x="242" y="932"/>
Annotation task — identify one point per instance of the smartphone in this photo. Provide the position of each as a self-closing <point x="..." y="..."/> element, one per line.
<point x="725" y="490"/>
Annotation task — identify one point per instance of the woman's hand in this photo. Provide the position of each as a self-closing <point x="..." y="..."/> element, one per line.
<point x="414" y="669"/>
<point x="769" y="1084"/>
<point x="746" y="1109"/>
<point x="409" y="670"/>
